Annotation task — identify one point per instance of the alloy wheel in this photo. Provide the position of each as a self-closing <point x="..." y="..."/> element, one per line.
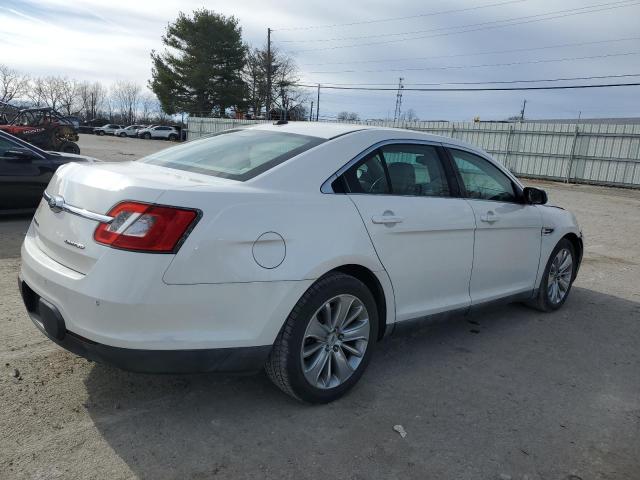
<point x="335" y="341"/>
<point x="560" y="274"/>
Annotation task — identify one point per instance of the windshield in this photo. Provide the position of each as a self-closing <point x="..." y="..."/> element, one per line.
<point x="235" y="154"/>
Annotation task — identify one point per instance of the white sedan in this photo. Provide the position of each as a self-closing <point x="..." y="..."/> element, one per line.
<point x="292" y="247"/>
<point x="130" y="131"/>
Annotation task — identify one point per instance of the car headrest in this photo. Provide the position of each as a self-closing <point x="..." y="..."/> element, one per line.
<point x="403" y="178"/>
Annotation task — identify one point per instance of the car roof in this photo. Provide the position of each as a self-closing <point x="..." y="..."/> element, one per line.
<point x="329" y="130"/>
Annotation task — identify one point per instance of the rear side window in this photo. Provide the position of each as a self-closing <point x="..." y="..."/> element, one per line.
<point x="235" y="154"/>
<point x="415" y="170"/>
<point x="368" y="176"/>
<point x="399" y="169"/>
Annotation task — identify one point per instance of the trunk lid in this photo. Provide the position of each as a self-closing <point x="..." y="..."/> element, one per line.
<point x="97" y="187"/>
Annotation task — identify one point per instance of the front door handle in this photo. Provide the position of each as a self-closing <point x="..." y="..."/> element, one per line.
<point x="387" y="218"/>
<point x="489" y="217"/>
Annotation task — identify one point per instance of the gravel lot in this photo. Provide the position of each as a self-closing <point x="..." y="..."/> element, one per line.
<point x="115" y="149"/>
<point x="531" y="396"/>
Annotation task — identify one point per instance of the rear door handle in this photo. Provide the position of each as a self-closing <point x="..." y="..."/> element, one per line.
<point x="387" y="219"/>
<point x="489" y="217"/>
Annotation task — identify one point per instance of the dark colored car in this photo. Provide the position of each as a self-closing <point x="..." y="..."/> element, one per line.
<point x="25" y="171"/>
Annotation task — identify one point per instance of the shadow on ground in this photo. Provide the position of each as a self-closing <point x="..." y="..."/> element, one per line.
<point x="543" y="395"/>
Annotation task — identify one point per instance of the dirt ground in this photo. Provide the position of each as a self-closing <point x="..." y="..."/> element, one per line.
<point x="115" y="149"/>
<point x="530" y="396"/>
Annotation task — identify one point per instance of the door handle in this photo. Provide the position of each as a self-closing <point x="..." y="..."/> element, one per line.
<point x="489" y="217"/>
<point x="387" y="218"/>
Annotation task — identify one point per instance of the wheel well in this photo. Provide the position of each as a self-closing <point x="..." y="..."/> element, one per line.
<point x="577" y="246"/>
<point x="367" y="277"/>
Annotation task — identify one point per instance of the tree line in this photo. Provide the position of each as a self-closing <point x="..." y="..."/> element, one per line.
<point x="120" y="102"/>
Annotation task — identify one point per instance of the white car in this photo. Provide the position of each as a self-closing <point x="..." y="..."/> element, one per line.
<point x="159" y="131"/>
<point x="130" y="131"/>
<point x="108" y="129"/>
<point x="293" y="247"/>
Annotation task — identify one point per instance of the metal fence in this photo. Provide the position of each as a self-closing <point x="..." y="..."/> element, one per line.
<point x="602" y="154"/>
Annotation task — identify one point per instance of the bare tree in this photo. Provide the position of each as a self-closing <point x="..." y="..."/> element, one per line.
<point x="149" y="104"/>
<point x="92" y="97"/>
<point x="46" y="91"/>
<point x="126" y="96"/>
<point x="348" y="117"/>
<point x="13" y="84"/>
<point x="410" y="115"/>
<point x="255" y="77"/>
<point x="287" y="96"/>
<point x="70" y="102"/>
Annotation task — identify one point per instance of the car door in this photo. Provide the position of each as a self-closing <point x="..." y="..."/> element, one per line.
<point x="161" y="132"/>
<point x="421" y="230"/>
<point x="508" y="231"/>
<point x="23" y="176"/>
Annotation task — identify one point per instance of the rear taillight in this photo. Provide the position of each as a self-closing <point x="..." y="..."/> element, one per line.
<point x="146" y="228"/>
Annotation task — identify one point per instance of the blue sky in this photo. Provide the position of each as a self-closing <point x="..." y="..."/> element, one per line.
<point x="108" y="41"/>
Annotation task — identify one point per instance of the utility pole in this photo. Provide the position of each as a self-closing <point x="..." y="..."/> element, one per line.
<point x="268" y="74"/>
<point x="396" y="115"/>
<point x="283" y="115"/>
<point x="318" y="105"/>
<point x="524" y="105"/>
<point x="311" y="112"/>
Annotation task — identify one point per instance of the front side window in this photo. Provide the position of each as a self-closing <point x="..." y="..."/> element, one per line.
<point x="481" y="179"/>
<point x="234" y="154"/>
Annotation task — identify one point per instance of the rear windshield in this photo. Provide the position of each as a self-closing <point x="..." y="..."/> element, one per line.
<point x="235" y="154"/>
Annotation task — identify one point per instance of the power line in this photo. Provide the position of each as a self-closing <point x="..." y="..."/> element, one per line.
<point x="452" y="67"/>
<point x="513" y="50"/>
<point x="410" y="17"/>
<point x="415" y="32"/>
<point x="483" y="89"/>
<point x="515" y="21"/>
<point x="541" y="80"/>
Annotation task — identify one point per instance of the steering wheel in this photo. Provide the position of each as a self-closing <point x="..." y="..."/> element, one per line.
<point x="374" y="184"/>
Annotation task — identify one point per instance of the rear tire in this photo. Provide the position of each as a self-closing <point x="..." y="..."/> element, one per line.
<point x="173" y="137"/>
<point x="557" y="278"/>
<point x="317" y="339"/>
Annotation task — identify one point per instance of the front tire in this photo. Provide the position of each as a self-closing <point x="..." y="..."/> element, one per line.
<point x="558" y="277"/>
<point x="122" y="134"/>
<point x="69" y="147"/>
<point x="325" y="345"/>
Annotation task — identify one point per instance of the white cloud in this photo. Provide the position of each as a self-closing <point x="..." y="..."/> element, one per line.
<point x="109" y="41"/>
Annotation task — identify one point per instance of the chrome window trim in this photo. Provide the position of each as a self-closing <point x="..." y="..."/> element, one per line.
<point x="57" y="204"/>
<point x="326" y="186"/>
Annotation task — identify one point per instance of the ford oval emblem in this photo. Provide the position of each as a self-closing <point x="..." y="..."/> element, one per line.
<point x="56" y="203"/>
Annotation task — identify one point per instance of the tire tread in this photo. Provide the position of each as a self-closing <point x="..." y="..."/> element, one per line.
<point x="276" y="365"/>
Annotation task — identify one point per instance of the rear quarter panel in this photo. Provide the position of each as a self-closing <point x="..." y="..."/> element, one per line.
<point x="320" y="232"/>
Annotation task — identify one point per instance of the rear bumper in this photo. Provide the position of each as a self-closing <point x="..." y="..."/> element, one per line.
<point x="49" y="321"/>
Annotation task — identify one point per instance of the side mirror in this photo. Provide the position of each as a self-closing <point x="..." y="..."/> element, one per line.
<point x="535" y="196"/>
